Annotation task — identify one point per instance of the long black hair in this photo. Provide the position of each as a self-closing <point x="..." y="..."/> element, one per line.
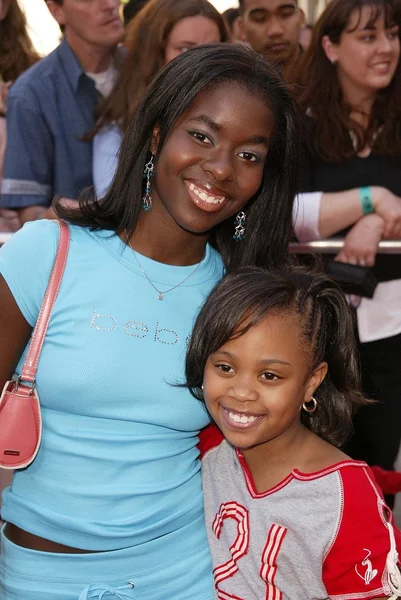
<point x="245" y="297"/>
<point x="269" y="212"/>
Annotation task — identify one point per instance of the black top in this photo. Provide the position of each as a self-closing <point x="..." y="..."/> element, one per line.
<point x="318" y="175"/>
<point x="322" y="176"/>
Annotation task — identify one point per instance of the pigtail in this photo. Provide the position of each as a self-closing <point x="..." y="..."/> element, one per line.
<point x="339" y="395"/>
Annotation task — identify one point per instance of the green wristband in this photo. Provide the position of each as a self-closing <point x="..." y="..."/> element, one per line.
<point x="365" y="194"/>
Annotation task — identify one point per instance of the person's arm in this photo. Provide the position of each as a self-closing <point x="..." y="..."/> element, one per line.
<point x="29" y="158"/>
<point x="4" y="89"/>
<point x="342" y="209"/>
<point x="305" y="216"/>
<point x="14" y="333"/>
<point x="9" y="221"/>
<point x="320" y="215"/>
<point x="26" y="262"/>
<point x="362" y="560"/>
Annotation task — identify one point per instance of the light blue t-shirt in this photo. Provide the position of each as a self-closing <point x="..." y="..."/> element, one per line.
<point x="106" y="146"/>
<point x="118" y="464"/>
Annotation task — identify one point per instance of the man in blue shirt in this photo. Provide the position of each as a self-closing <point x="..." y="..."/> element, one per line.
<point x="52" y="105"/>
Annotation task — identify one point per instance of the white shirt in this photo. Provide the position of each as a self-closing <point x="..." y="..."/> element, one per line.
<point x="106" y="145"/>
<point x="105" y="81"/>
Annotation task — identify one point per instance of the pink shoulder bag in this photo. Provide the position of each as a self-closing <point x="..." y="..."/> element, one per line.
<point x="20" y="418"/>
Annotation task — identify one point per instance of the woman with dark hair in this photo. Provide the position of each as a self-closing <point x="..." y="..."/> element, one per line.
<point x="113" y="499"/>
<point x="350" y="89"/>
<point x="162" y="30"/>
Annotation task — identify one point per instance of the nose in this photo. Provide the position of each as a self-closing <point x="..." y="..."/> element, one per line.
<point x="275" y="27"/>
<point x="384" y="44"/>
<point x="220" y="165"/>
<point x="242" y="391"/>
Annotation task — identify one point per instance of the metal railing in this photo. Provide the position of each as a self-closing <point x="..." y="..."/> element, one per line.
<point x="330" y="246"/>
<point x="334" y="245"/>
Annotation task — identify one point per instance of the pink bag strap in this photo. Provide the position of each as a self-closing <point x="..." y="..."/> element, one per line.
<point x="28" y="372"/>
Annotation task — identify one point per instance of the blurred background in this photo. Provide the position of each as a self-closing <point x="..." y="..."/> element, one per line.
<point x="45" y="32"/>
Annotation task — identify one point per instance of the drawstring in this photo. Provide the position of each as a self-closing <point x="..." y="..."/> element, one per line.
<point x="103" y="592"/>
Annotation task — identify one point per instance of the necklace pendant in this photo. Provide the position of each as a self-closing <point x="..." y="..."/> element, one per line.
<point x="160" y="296"/>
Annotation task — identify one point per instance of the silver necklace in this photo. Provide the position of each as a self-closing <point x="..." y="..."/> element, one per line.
<point x="159" y="292"/>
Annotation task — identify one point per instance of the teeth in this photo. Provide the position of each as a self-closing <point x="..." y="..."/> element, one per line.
<point x="381" y="66"/>
<point x="203" y="196"/>
<point x="241" y="418"/>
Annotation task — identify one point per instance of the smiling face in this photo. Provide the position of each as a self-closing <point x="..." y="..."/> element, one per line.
<point x="212" y="161"/>
<point x="367" y="54"/>
<point x="189" y="33"/>
<point x="272" y="27"/>
<point x="254" y="386"/>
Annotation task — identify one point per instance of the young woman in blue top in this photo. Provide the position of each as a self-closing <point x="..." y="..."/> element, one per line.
<point x="112" y="506"/>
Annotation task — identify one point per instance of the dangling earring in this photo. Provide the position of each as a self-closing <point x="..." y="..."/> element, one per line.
<point x="310" y="409"/>
<point x="239" y="233"/>
<point x="148" y="174"/>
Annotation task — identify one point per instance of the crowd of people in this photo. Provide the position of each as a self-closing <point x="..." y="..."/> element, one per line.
<point x="186" y="149"/>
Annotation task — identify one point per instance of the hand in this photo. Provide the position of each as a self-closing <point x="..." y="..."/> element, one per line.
<point x="360" y="244"/>
<point x="9" y="221"/>
<point x="4" y="87"/>
<point x="388" y="206"/>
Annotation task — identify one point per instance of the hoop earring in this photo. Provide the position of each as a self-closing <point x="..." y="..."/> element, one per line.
<point x="239" y="232"/>
<point x="310" y="409"/>
<point x="148" y="174"/>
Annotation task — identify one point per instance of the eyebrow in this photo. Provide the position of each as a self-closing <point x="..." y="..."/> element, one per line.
<point x="262" y="9"/>
<point x="259" y="140"/>
<point x="263" y="361"/>
<point x="180" y="42"/>
<point x="372" y="27"/>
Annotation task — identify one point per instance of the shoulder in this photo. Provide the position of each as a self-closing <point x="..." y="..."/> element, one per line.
<point x="322" y="455"/>
<point x="209" y="438"/>
<point x="107" y="141"/>
<point x="32" y="81"/>
<point x="39" y="236"/>
<point x="357" y="559"/>
<point x="109" y="132"/>
<point x="26" y="261"/>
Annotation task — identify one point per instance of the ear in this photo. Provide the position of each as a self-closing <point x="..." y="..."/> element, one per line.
<point x="329" y="49"/>
<point x="56" y="11"/>
<point x="315" y="380"/>
<point x="154" y="143"/>
<point x="241" y="29"/>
